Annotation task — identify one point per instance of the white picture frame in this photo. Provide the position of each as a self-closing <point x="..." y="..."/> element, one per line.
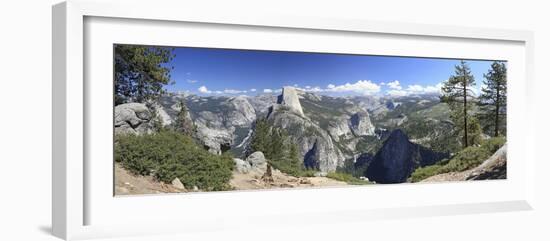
<point x="76" y="199"/>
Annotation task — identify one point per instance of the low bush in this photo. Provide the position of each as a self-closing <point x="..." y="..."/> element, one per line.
<point x="287" y="166"/>
<point x="168" y="154"/>
<point x="465" y="159"/>
<point x="346" y="177"/>
<point x="425" y="172"/>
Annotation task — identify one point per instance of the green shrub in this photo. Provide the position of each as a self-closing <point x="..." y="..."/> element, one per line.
<point x="466" y="159"/>
<point x="346" y="177"/>
<point x="425" y="172"/>
<point x="168" y="155"/>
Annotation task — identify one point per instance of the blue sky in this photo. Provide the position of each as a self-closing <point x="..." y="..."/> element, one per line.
<point x="235" y="72"/>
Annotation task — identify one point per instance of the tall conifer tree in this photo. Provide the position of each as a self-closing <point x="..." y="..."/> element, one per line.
<point x="493" y="96"/>
<point x="457" y="92"/>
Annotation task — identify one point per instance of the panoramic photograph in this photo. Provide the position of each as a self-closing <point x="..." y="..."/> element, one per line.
<point x="190" y="119"/>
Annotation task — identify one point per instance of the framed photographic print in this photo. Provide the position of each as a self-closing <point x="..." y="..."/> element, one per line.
<point x="245" y="117"/>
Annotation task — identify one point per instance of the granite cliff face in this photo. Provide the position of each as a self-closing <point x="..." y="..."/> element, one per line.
<point x="398" y="158"/>
<point x="290" y="99"/>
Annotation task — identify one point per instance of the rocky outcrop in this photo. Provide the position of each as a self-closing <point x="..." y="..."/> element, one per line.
<point x="398" y="158"/>
<point x="289" y="98"/>
<point x="361" y="125"/>
<point x="164" y="117"/>
<point x="133" y="118"/>
<point x="241" y="166"/>
<point x="255" y="162"/>
<point x="177" y="184"/>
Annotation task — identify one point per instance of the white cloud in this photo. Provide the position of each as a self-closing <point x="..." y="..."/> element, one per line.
<point x="428" y="89"/>
<point x="192" y="81"/>
<point x="433" y="89"/>
<point x="308" y="87"/>
<point x="394" y="85"/>
<point x="397" y="92"/>
<point x="362" y="86"/>
<point x="315" y="89"/>
<point x="415" y="90"/>
<point x="231" y="91"/>
<point x="252" y="90"/>
<point x="204" y="90"/>
<point x="268" y="91"/>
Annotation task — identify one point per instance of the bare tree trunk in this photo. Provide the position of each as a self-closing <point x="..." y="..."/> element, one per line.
<point x="497" y="108"/>
<point x="465" y="113"/>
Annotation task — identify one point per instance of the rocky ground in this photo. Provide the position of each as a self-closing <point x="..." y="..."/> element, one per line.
<point x="127" y="183"/>
<point x="254" y="180"/>
<point x="249" y="174"/>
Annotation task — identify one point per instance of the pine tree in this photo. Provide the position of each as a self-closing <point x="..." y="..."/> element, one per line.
<point x="294" y="155"/>
<point x="261" y="138"/>
<point x="141" y="72"/>
<point x="276" y="151"/>
<point x="457" y="93"/>
<point x="493" y="97"/>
